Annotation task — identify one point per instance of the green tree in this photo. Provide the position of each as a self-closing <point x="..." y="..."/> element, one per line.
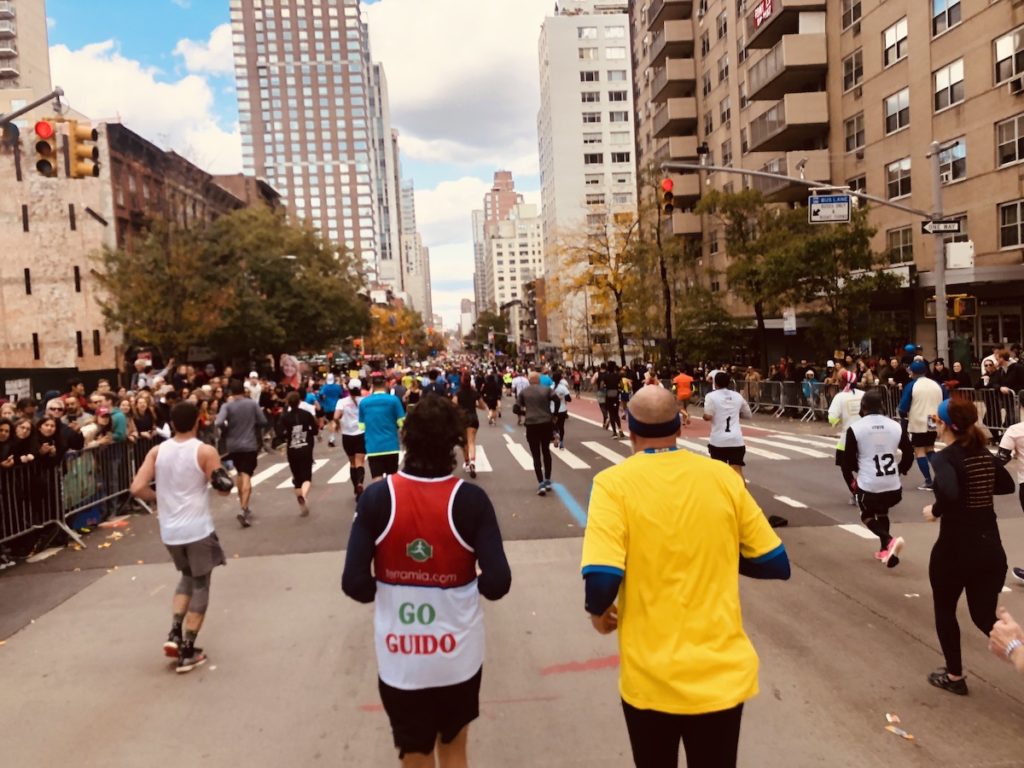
<point x="705" y="327"/>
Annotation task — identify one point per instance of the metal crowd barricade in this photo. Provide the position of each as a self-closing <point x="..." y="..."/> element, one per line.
<point x="29" y="499"/>
<point x="997" y="410"/>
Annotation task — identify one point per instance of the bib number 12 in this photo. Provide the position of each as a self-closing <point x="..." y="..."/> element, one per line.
<point x="885" y="465"/>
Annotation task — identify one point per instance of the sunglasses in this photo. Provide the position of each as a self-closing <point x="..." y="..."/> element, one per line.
<point x="55" y="410"/>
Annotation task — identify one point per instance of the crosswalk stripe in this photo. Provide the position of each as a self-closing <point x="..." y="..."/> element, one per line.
<point x="858" y="530"/>
<point x="570" y="458"/>
<point x="343" y="475"/>
<point x="695" y="447"/>
<point x="605" y="452"/>
<point x="791" y="502"/>
<point x="267" y="473"/>
<point x="519" y="453"/>
<point x="794" y="448"/>
<point x="764" y="454"/>
<point x="316" y="465"/>
<point x="817" y="442"/>
<point x="483" y="464"/>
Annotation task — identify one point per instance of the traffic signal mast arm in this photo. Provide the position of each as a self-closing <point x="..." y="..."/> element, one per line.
<point x="56" y="93"/>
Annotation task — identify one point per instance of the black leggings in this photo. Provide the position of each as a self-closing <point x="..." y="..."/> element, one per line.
<point x="711" y="740"/>
<point x="975" y="563"/>
<point x="560" y="424"/>
<point x="612" y="406"/>
<point x="539" y="438"/>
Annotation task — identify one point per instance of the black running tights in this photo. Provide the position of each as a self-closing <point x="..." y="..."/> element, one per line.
<point x="710" y="740"/>
<point x="539" y="438"/>
<point x="976" y="565"/>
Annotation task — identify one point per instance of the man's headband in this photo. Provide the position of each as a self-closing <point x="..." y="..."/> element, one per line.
<point x="664" y="429"/>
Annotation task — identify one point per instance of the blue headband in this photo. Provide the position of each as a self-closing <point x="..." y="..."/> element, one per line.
<point x="943" y="413"/>
<point x="664" y="429"/>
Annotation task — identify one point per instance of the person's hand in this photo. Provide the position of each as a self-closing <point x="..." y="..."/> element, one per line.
<point x="48" y="449"/>
<point x="27" y="458"/>
<point x="853" y="485"/>
<point x="926" y="513"/>
<point x="8" y="462"/>
<point x="1006" y="390"/>
<point x="1004" y="631"/>
<point x="607" y="622"/>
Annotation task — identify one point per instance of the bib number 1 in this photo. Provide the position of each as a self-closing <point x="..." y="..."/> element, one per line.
<point x="728" y="423"/>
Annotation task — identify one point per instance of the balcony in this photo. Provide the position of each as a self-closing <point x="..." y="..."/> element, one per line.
<point x="797" y="121"/>
<point x="797" y="63"/>
<point x="675" y="40"/>
<point x="9" y="69"/>
<point x="668" y="10"/>
<point x="677" y="78"/>
<point x="771" y="19"/>
<point x="675" y="117"/>
<point x="8" y="49"/>
<point x="7" y="30"/>
<point x="6" y="9"/>
<point x="686" y="189"/>
<point x="780" y="190"/>
<point x="685" y="223"/>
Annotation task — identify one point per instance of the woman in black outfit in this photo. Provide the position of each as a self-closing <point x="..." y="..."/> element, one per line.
<point x="968" y="555"/>
<point x="492" y="397"/>
<point x="469" y="399"/>
<point x="297" y="428"/>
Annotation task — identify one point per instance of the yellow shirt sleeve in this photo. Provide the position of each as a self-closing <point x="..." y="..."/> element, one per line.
<point x="607" y="534"/>
<point x="756" y="536"/>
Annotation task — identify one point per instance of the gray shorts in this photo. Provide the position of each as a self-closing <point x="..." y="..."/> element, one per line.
<point x="198" y="558"/>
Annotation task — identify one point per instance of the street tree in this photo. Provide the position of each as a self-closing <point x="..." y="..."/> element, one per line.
<point x="396" y="332"/>
<point x="706" y="328"/>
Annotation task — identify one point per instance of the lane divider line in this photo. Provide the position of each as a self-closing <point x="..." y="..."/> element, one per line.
<point x="858" y="530"/>
<point x="570" y="503"/>
<point x="791" y="502"/>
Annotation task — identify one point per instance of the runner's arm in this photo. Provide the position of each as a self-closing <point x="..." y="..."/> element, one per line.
<point x="904" y="407"/>
<point x="209" y="462"/>
<point x="477" y="524"/>
<point x="142" y="483"/>
<point x="850" y="455"/>
<point x="906" y="453"/>
<point x="745" y="412"/>
<point x="372" y="513"/>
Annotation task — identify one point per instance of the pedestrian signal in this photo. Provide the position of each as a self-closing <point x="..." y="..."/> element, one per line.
<point x="667" y="198"/>
<point x="83" y="152"/>
<point x="46" y="148"/>
<point x="965" y="306"/>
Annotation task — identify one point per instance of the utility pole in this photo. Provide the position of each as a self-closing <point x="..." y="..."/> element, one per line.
<point x="941" y="319"/>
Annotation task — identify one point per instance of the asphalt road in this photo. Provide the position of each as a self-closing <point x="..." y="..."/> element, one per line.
<point x="291" y="678"/>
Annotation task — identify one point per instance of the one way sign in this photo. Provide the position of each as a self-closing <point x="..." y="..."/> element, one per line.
<point x="941" y="227"/>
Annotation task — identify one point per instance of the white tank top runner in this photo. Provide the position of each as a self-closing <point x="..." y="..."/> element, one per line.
<point x="182" y="493"/>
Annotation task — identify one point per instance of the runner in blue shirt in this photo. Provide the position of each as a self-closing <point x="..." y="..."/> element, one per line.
<point x="381" y="416"/>
<point x="330" y="394"/>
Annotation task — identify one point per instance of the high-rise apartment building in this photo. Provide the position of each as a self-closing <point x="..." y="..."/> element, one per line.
<point x="498" y="203"/>
<point x="385" y="139"/>
<point x="314" y="118"/>
<point x="852" y="93"/>
<point x="515" y="257"/>
<point x="586" y="136"/>
<point x="24" y="48"/>
<point x="415" y="257"/>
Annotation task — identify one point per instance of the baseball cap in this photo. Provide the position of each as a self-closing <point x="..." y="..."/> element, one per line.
<point x="330" y="378"/>
<point x="253" y="375"/>
<point x="355" y="384"/>
<point x="909" y="348"/>
<point x="830" y="364"/>
<point x="918" y="366"/>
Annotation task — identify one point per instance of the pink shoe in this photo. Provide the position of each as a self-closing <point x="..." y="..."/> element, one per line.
<point x="880" y="555"/>
<point x="892" y="552"/>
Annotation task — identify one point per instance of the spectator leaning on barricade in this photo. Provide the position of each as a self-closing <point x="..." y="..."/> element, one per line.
<point x="69" y="437"/>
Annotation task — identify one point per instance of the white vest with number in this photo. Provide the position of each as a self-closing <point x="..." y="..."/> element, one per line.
<point x="878" y="453"/>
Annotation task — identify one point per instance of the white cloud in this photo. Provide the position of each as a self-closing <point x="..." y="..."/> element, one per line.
<point x="465" y="91"/>
<point x="212" y="57"/>
<point x="50" y="22"/>
<point x="444" y="213"/>
<point x="183" y="4"/>
<point x="175" y="114"/>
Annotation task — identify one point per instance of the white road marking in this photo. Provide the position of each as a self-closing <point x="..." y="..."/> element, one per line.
<point x="1007" y="589"/>
<point x="570" y="458"/>
<point x="764" y="454"/>
<point x="690" y="446"/>
<point x="604" y="451"/>
<point x="818" y="441"/>
<point x="519" y="453"/>
<point x="266" y="474"/>
<point x="791" y="502"/>
<point x="858" y="530"/>
<point x="483" y="464"/>
<point x="343" y="475"/>
<point x="316" y="465"/>
<point x="795" y="448"/>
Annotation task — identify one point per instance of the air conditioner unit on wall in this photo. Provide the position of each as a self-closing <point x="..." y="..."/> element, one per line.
<point x="860" y="154"/>
<point x="856" y="28"/>
<point x="858" y="92"/>
<point x="945" y="177"/>
<point x="1016" y="86"/>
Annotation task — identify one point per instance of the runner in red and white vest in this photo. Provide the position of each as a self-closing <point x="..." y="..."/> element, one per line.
<point x="425" y="533"/>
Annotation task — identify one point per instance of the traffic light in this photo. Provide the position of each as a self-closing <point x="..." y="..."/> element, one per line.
<point x="965" y="306"/>
<point x="667" y="198"/>
<point x="82" y="150"/>
<point x="357" y="344"/>
<point x="46" y="148"/>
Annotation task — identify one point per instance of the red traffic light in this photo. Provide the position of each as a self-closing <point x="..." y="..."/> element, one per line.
<point x="667" y="184"/>
<point x="44" y="129"/>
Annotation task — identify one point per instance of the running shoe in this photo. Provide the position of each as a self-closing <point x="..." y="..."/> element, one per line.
<point x="542" y="489"/>
<point x="195" y="658"/>
<point x="1018" y="574"/>
<point x="548" y="484"/>
<point x="303" y="508"/>
<point x="776" y="521"/>
<point x="940" y="679"/>
<point x="171" y="646"/>
<point x="892" y="552"/>
<point x="880" y="555"/>
<point x="561" y="445"/>
<point x="926" y="487"/>
<point x="245" y="518"/>
<point x="472" y="469"/>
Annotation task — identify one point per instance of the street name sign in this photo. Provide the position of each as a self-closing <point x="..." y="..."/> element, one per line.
<point x="940" y="227"/>
<point x="828" y="209"/>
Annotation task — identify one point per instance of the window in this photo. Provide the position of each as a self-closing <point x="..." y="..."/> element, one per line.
<point x="727" y="152"/>
<point x="854" y="129"/>
<point x="900" y="245"/>
<point x="851" y="13"/>
<point x="593" y="158"/>
<point x="586" y="33"/>
<point x="78" y="280"/>
<point x="616" y="75"/>
<point x="620" y="157"/>
<point x="953" y="160"/>
<point x="619" y="137"/>
<point x="897" y="111"/>
<point x="713" y="242"/>
<point x="945" y="14"/>
<point x="724" y="110"/>
<point x="853" y="70"/>
<point x="723" y="68"/>
<point x="1010" y="55"/>
<point x="859" y="184"/>
<point x="591" y="117"/>
<point x="722" y="24"/>
<point x="596" y="198"/>
<point x="744" y="144"/>
<point x="1010" y="141"/>
<point x="744" y="101"/>
<point x="949" y="85"/>
<point x="590" y="97"/>
<point x="614" y="54"/>
<point x="588" y="54"/>
<point x="79" y="346"/>
<point x="894" y="43"/>
<point x="618" y="117"/>
<point x="705" y="43"/>
<point x="590" y="76"/>
<point x="618" y="95"/>
<point x="897" y="176"/>
<point x="741" y="49"/>
<point x="593" y="180"/>
<point x="615" y="32"/>
<point x="591" y="138"/>
<point x="709" y="123"/>
<point x="1011" y="224"/>
<point x="35" y="346"/>
<point x="28" y="281"/>
<point x="96" y="343"/>
<point x="705" y="80"/>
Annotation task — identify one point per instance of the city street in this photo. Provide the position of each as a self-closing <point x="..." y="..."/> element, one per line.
<point x="291" y="673"/>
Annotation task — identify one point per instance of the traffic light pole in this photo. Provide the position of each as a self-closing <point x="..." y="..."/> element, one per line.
<point x="56" y="93"/>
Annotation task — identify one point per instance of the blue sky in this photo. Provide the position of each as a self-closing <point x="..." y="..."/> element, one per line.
<point x="467" y="114"/>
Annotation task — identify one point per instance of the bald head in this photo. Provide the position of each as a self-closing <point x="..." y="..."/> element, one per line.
<point x="653" y="405"/>
<point x="534" y="377"/>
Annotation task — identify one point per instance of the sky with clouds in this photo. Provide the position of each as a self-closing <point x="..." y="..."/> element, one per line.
<point x="462" y="77"/>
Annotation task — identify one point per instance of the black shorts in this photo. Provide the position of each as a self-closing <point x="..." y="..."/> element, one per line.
<point x="491" y="403"/>
<point x="878" y="503"/>
<point x="384" y="464"/>
<point x="198" y="558"/>
<point x="731" y="456"/>
<point x="419" y="717"/>
<point x="923" y="439"/>
<point x="244" y="461"/>
<point x="301" y="464"/>
<point x="471" y="420"/>
<point x="353" y="444"/>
